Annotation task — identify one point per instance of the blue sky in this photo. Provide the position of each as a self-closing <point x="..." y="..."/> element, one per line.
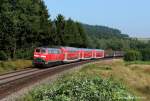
<point x="132" y="17"/>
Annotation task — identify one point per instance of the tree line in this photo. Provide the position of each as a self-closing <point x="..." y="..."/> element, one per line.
<point x="26" y="24"/>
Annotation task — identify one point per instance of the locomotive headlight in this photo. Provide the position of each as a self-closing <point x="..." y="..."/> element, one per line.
<point x="42" y="56"/>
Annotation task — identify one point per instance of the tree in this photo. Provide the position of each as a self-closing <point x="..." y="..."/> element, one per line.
<point x="145" y="54"/>
<point x="60" y="27"/>
<point x="82" y="35"/>
<point x="23" y="24"/>
<point x="132" y="55"/>
<point x="69" y="36"/>
<point x="3" y="55"/>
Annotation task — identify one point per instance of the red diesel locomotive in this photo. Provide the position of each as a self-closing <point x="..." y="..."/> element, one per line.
<point x="49" y="56"/>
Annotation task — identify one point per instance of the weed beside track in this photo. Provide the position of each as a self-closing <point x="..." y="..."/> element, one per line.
<point x="9" y="66"/>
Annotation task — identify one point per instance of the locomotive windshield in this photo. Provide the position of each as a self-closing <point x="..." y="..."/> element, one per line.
<point x="37" y="50"/>
<point x="40" y="50"/>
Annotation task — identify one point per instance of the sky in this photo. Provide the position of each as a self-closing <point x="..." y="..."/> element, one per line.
<point x="132" y="17"/>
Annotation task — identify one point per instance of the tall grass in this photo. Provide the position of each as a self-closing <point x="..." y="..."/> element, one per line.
<point x="7" y="66"/>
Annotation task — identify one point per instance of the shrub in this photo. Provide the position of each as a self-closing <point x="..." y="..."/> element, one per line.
<point x="146" y="54"/>
<point x="83" y="88"/>
<point x="132" y="55"/>
<point x="24" y="54"/>
<point x="3" y="55"/>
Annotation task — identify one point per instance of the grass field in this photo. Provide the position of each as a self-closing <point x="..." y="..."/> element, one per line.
<point x="8" y="66"/>
<point x="135" y="75"/>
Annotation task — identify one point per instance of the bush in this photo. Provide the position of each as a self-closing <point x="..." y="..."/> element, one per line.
<point x="146" y="54"/>
<point x="3" y="55"/>
<point x="83" y="88"/>
<point x="132" y="55"/>
<point x="24" y="54"/>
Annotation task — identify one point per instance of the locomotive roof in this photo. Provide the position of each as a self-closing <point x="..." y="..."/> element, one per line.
<point x="48" y="48"/>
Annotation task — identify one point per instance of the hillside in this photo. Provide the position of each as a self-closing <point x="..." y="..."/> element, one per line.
<point x="103" y="32"/>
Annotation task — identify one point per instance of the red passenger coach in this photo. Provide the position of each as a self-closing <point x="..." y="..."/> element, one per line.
<point x="87" y="54"/>
<point x="70" y="54"/>
<point x="98" y="53"/>
<point x="91" y="53"/>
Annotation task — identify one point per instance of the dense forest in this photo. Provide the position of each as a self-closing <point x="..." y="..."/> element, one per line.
<point x="103" y="32"/>
<point x="26" y="24"/>
<point x="110" y="38"/>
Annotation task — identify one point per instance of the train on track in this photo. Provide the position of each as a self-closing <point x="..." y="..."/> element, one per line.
<point x="44" y="56"/>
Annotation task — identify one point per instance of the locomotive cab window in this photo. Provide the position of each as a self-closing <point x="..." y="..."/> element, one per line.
<point x="37" y="50"/>
<point x="43" y="50"/>
<point x="40" y="50"/>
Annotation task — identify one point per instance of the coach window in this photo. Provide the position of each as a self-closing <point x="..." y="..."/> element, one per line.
<point x="53" y="51"/>
<point x="50" y="51"/>
<point x="72" y="50"/>
<point x="58" y="51"/>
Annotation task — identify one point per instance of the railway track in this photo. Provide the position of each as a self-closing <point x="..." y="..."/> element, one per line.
<point x="12" y="82"/>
